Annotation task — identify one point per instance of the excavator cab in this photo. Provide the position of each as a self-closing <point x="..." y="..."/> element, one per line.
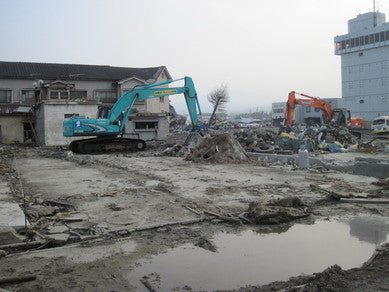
<point x="342" y="117"/>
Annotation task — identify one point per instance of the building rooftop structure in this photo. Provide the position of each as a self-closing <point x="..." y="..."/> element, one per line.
<point x="364" y="52"/>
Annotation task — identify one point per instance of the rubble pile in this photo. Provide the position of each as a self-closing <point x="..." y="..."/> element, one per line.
<point x="324" y="138"/>
<point x="277" y="211"/>
<point x="176" y="150"/>
<point x="256" y="140"/>
<point x="223" y="148"/>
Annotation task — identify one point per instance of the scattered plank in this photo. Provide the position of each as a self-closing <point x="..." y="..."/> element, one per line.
<point x="147" y="285"/>
<point x="17" y="279"/>
<point x="332" y="194"/>
<point x="192" y="210"/>
<point x="224" y="218"/>
<point x="362" y="201"/>
<point x="58" y="204"/>
<point x="22" y="245"/>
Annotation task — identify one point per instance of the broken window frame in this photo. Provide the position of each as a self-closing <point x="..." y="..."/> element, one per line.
<point x="146" y="125"/>
<point x="28" y="131"/>
<point x="68" y="116"/>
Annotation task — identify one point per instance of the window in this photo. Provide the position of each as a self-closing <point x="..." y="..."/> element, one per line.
<point x="362" y="40"/>
<point x="343" y="45"/>
<point x="387" y="35"/>
<point x="5" y="96"/>
<point x="78" y="94"/>
<point x="357" y="42"/>
<point x="162" y="99"/>
<point x="352" y="43"/>
<point x="59" y="94"/>
<point x="317" y="109"/>
<point x="376" y="37"/>
<point x="106" y="96"/>
<point x="27" y="97"/>
<point x="146" y="125"/>
<point x="371" y="39"/>
<point x="382" y="36"/>
<point x="366" y="39"/>
<point x="347" y="44"/>
<point x="308" y="109"/>
<point x="68" y="116"/>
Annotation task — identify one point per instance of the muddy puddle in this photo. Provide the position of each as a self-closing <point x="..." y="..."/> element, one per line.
<point x="253" y="257"/>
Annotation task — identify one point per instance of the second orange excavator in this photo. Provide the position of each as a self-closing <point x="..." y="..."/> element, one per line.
<point x="340" y="117"/>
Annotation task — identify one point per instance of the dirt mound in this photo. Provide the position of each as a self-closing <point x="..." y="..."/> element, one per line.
<point x="277" y="211"/>
<point x="221" y="148"/>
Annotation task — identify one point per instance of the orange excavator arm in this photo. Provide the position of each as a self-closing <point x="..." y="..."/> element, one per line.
<point x="308" y="101"/>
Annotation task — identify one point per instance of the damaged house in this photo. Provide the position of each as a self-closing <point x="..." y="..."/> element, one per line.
<point x="35" y="98"/>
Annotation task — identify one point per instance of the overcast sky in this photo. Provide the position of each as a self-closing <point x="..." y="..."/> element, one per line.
<point x="260" y="49"/>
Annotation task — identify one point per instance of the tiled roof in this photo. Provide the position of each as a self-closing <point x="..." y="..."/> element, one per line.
<point x="26" y="70"/>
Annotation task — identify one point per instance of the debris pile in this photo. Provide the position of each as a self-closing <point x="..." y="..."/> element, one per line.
<point x="221" y="148"/>
<point x="176" y="150"/>
<point x="277" y="211"/>
<point x="256" y="140"/>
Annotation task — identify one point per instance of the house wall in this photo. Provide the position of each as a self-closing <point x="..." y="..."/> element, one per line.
<point x="16" y="86"/>
<point x="50" y="114"/>
<point x="50" y="119"/>
<point x="11" y="129"/>
<point x="159" y="105"/>
<point x="148" y="134"/>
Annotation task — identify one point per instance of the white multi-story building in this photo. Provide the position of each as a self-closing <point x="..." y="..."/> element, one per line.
<point x="364" y="55"/>
<point x="277" y="112"/>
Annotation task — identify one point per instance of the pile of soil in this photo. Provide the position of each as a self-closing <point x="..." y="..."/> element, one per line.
<point x="223" y="148"/>
<point x="277" y="211"/>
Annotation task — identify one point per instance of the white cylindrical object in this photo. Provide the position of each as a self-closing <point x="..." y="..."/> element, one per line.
<point x="303" y="158"/>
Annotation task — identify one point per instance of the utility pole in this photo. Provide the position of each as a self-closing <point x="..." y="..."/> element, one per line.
<point x="374" y="15"/>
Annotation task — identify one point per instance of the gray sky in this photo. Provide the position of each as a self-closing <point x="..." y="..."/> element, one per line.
<point x="260" y="49"/>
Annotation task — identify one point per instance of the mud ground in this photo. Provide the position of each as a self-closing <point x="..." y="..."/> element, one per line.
<point x="105" y="212"/>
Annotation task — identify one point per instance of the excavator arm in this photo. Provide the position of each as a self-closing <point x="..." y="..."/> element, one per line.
<point x="123" y="107"/>
<point x="308" y="101"/>
<point x="108" y="129"/>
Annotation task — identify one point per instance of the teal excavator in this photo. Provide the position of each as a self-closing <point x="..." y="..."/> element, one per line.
<point x="109" y="131"/>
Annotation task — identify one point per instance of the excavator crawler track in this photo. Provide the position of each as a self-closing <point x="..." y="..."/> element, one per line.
<point x="104" y="145"/>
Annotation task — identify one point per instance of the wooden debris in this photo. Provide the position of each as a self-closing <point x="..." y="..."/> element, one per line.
<point x="192" y="210"/>
<point x="331" y="193"/>
<point x="22" y="245"/>
<point x="17" y="279"/>
<point x="361" y="201"/>
<point x="147" y="285"/>
<point x="224" y="218"/>
<point x="58" y="204"/>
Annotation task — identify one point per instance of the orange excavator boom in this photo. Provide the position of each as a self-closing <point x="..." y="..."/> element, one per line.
<point x="308" y="101"/>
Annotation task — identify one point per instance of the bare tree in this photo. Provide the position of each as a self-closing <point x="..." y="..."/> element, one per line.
<point x="218" y="98"/>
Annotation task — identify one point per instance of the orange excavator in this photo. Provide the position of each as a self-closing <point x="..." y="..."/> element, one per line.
<point x="340" y="117"/>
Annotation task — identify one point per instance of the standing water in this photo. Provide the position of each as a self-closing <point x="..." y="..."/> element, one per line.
<point x="257" y="258"/>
